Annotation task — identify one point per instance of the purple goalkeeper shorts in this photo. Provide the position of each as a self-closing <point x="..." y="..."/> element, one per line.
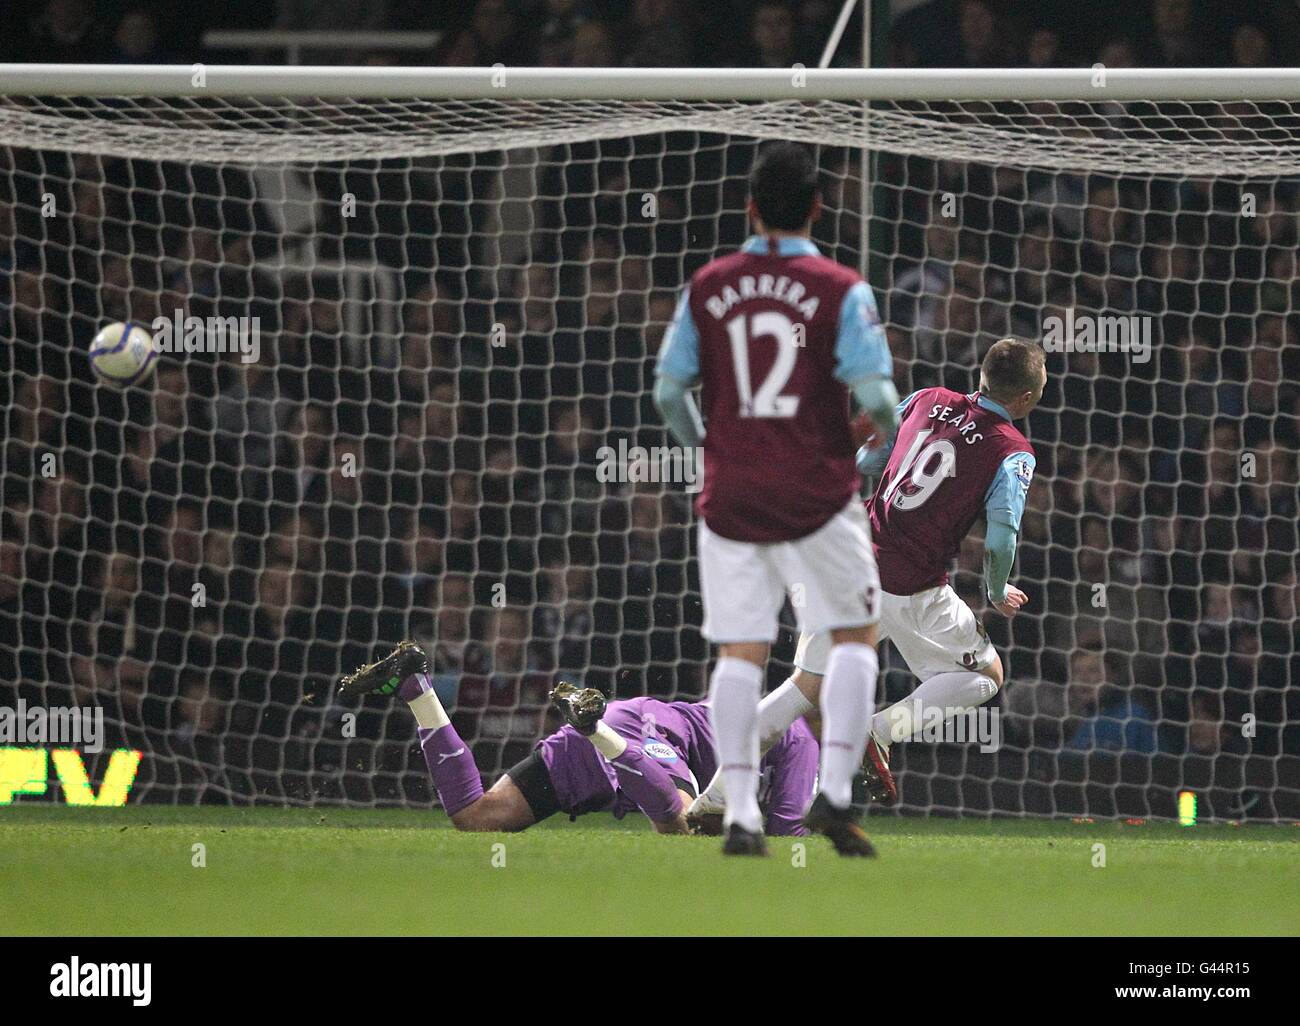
<point x="581" y="779"/>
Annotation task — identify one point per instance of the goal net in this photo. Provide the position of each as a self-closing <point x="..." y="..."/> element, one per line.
<point x="421" y="321"/>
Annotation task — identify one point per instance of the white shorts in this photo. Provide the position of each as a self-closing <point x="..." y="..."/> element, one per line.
<point x="934" y="630"/>
<point x="830" y="576"/>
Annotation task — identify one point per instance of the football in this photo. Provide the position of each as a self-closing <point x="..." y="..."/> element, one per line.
<point x="122" y="353"/>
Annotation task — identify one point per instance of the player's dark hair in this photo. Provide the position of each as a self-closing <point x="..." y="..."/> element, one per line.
<point x="783" y="185"/>
<point x="1011" y="368"/>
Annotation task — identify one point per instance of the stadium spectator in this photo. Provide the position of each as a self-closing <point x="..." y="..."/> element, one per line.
<point x="136" y="40"/>
<point x="63" y="31"/>
<point x="593" y="45"/>
<point x="1044" y="48"/>
<point x="494" y="35"/>
<point x="1112" y="719"/>
<point x="915" y="301"/>
<point x="774" y="35"/>
<point x="1120" y="52"/>
<point x="1252" y="48"/>
<point x="560" y="20"/>
<point x="982" y="45"/>
<point x="1176" y="38"/>
<point x="661" y="34"/>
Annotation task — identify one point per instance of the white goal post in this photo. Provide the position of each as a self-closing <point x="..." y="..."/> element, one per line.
<point x="460" y="276"/>
<point x="714" y="84"/>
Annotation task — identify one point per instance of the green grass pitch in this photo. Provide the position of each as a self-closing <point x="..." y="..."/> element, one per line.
<point x="271" y="871"/>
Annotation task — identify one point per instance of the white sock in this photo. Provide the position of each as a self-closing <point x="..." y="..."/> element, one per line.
<point x="954" y="693"/>
<point x="777" y="710"/>
<point x="428" y="711"/>
<point x="733" y="696"/>
<point x="848" y="694"/>
<point x="608" y="741"/>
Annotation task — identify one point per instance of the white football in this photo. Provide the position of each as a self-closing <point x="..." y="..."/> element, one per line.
<point x="123" y="353"/>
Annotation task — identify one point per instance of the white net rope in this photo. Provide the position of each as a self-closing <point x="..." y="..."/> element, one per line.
<point x="1203" y="137"/>
<point x="459" y="303"/>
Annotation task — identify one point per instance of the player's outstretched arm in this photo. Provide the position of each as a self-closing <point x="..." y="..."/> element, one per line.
<point x="999" y="557"/>
<point x="1004" y="506"/>
<point x="643" y="779"/>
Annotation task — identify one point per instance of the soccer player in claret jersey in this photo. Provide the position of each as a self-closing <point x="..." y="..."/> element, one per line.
<point x="778" y="338"/>
<point x="956" y="456"/>
<point x="619" y="757"/>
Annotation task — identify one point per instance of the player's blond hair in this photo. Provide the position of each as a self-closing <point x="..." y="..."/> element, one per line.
<point x="1011" y="368"/>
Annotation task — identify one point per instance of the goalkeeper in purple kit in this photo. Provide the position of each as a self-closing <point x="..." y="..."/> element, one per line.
<point x="640" y="754"/>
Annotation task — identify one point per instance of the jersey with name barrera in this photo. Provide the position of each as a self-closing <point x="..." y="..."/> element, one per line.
<point x="775" y="333"/>
<point x="954" y="456"/>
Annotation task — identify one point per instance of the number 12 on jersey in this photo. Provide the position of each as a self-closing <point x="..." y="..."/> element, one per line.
<point x="768" y="401"/>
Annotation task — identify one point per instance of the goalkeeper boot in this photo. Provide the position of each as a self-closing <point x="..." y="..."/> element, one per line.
<point x="875" y="769"/>
<point x="581" y="708"/>
<point x="740" y="841"/>
<point x="841" y="826"/>
<point x="385" y="676"/>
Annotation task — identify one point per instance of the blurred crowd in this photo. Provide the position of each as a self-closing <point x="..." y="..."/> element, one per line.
<point x="676" y="33"/>
<point x="206" y="554"/>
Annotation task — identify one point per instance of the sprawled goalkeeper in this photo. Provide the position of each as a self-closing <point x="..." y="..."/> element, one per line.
<point x="608" y="757"/>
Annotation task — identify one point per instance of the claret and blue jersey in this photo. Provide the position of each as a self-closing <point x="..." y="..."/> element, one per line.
<point x="777" y="336"/>
<point x="954" y="457"/>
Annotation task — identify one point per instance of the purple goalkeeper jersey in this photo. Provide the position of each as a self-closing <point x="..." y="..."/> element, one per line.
<point x="679" y="736"/>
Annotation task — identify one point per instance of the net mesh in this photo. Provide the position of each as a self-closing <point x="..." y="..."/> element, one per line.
<point x="1202" y="137"/>
<point x="459" y="303"/>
